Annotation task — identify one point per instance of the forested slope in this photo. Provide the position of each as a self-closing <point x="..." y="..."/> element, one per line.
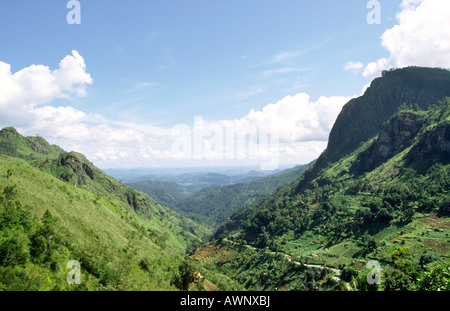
<point x="385" y="198"/>
<point x="56" y="207"/>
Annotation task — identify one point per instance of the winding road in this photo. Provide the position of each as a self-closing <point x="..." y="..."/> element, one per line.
<point x="338" y="272"/>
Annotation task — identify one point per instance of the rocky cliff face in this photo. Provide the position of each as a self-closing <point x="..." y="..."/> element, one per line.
<point x="427" y="136"/>
<point x="363" y="117"/>
<point x="73" y="167"/>
<point x="432" y="147"/>
<point x="396" y="135"/>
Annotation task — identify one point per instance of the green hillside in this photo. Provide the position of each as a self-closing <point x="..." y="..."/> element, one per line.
<point x="56" y="207"/>
<point x="385" y="200"/>
<point x="30" y="148"/>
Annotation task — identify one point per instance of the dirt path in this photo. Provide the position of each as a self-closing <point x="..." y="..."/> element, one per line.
<point x="338" y="272"/>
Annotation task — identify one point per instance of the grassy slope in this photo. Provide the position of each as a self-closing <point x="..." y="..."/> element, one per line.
<point x="78" y="171"/>
<point x="95" y="228"/>
<point x="123" y="239"/>
<point x="118" y="249"/>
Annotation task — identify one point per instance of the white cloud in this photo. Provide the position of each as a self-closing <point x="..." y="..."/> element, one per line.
<point x="301" y="128"/>
<point x="71" y="76"/>
<point x="354" y="66"/>
<point x="298" y="127"/>
<point x="297" y="118"/>
<point x="36" y="84"/>
<point x="22" y="93"/>
<point x="110" y="153"/>
<point x="421" y="37"/>
<point x="25" y="99"/>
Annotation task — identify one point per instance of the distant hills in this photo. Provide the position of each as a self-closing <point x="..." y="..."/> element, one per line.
<point x="204" y="176"/>
<point x="172" y="188"/>
<point x="216" y="203"/>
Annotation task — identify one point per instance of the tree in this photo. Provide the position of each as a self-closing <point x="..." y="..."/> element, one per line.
<point x="405" y="276"/>
<point x="14" y="249"/>
<point x="402" y="259"/>
<point x="425" y="259"/>
<point x="399" y="281"/>
<point x="263" y="238"/>
<point x="348" y="273"/>
<point x="183" y="276"/>
<point x="435" y="280"/>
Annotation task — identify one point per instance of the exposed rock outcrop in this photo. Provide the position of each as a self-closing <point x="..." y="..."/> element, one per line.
<point x="396" y="135"/>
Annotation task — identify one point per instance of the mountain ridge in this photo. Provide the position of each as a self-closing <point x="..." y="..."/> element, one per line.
<point x="362" y="117"/>
<point x="385" y="195"/>
<point x="56" y="206"/>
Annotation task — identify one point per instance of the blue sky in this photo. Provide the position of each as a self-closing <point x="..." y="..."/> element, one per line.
<point x="160" y="63"/>
<point x="214" y="58"/>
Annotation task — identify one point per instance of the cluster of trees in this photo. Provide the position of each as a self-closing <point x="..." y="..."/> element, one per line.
<point x="325" y="208"/>
<point x="403" y="275"/>
<point x="34" y="253"/>
<point x="29" y="247"/>
<point x="262" y="269"/>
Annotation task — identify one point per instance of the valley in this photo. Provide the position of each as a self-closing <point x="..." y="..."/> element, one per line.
<point x="379" y="192"/>
<point x="213" y="197"/>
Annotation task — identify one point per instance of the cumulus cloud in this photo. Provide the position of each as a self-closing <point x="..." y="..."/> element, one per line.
<point x="297" y="118"/>
<point x="354" y="66"/>
<point x="25" y="103"/>
<point x="23" y="93"/>
<point x="421" y="37"/>
<point x="293" y="130"/>
<point x="37" y="84"/>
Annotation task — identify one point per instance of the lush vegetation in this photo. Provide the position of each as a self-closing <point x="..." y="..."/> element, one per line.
<point x="386" y="201"/>
<point x="45" y="223"/>
<point x="362" y="118"/>
<point x="166" y="192"/>
<point x="173" y="188"/>
<point x="265" y="270"/>
<point x="56" y="207"/>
